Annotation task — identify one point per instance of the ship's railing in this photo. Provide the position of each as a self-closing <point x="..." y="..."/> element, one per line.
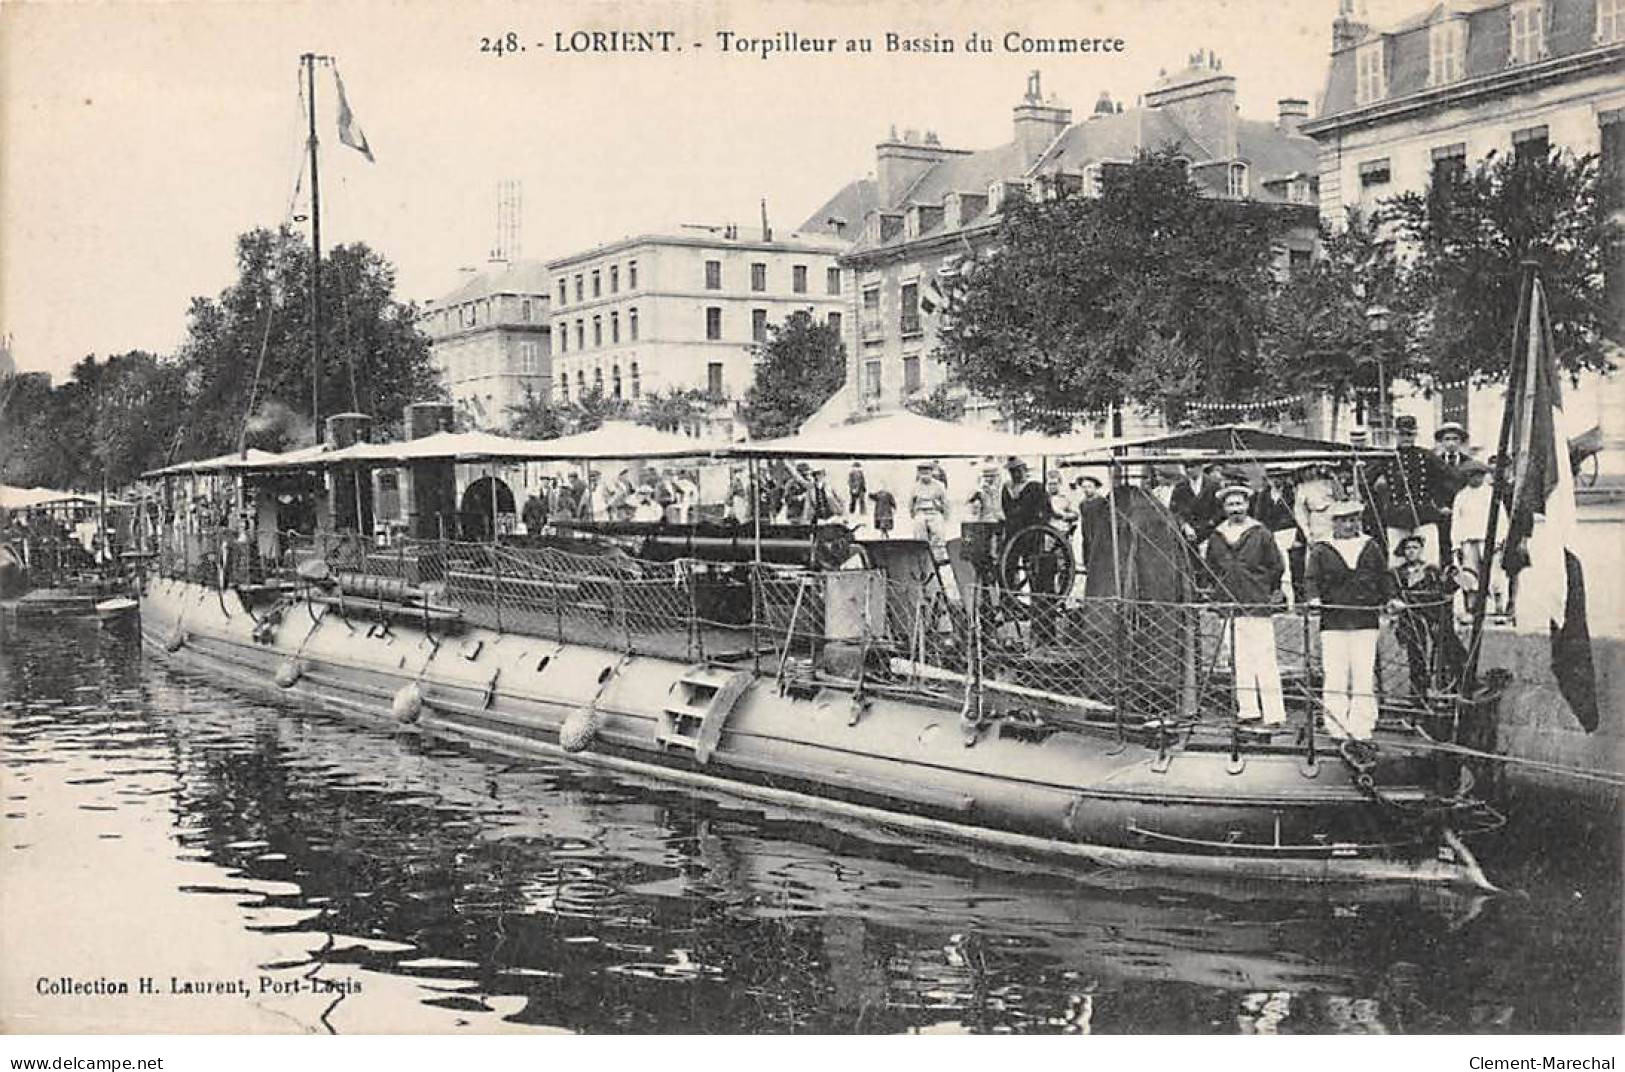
<point x="1140" y="660"/>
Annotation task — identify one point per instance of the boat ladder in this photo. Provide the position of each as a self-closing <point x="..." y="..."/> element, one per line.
<point x="697" y="708"/>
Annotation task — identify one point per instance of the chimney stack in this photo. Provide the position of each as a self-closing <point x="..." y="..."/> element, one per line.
<point x="1292" y="113"/>
<point x="1202" y="98"/>
<point x="1038" y="122"/>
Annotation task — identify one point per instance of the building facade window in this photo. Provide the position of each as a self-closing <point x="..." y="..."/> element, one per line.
<point x="598" y="380"/>
<point x="758" y="325"/>
<point x="798" y="278"/>
<point x="637" y="382"/>
<point x="713" y="323"/>
<point x="1447" y="51"/>
<point x="614" y="327"/>
<point x="597" y="283"/>
<point x="1449" y="166"/>
<point x="713" y="275"/>
<point x="564" y="387"/>
<point x="597" y="331"/>
<point x="1370" y="75"/>
<point x="911" y="374"/>
<point x="713" y="379"/>
<point x="581" y="382"/>
<point x="580" y="293"/>
<point x="870" y="322"/>
<point x="581" y="334"/>
<point x="1528" y="31"/>
<point x="1374" y="172"/>
<point x="1610" y="21"/>
<point x="908" y="318"/>
<point x="562" y="330"/>
<point x="564" y="290"/>
<point x="835" y="323"/>
<point x="832" y="280"/>
<point x="1531" y="143"/>
<point x="524" y="310"/>
<point x="615" y="381"/>
<point x="871" y="379"/>
<point x="758" y="276"/>
<point x="614" y="279"/>
<point x="631" y="275"/>
<point x="1237" y="181"/>
<point x="632" y="324"/>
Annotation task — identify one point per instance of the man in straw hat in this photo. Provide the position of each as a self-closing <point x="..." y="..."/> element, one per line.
<point x="1247" y="567"/>
<point x="1347" y="578"/>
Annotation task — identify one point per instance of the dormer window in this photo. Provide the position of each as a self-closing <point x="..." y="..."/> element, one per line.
<point x="911" y="222"/>
<point x="1528" y="30"/>
<point x="1447" y="51"/>
<point x="1370" y="74"/>
<point x="1610" y="21"/>
<point x="1237" y="184"/>
<point x="1091" y="181"/>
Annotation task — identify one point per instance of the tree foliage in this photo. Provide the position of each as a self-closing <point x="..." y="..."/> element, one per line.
<point x="1321" y="335"/>
<point x="943" y="403"/>
<point x="374" y="358"/>
<point x="139" y="411"/>
<point x="1469" y="234"/>
<point x="536" y="417"/>
<point x="800" y="366"/>
<point x="1151" y="294"/>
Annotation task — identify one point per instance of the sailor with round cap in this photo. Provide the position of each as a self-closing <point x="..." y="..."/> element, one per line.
<point x="1347" y="578"/>
<point x="1246" y="567"/>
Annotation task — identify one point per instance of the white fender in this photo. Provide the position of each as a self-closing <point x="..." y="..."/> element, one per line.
<point x="407" y="704"/>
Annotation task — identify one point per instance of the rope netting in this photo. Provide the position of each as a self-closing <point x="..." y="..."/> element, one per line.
<point x="1149" y="660"/>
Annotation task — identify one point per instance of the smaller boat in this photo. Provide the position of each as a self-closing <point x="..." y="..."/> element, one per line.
<point x="116" y="610"/>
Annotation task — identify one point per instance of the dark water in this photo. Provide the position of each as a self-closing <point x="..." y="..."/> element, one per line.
<point x="176" y="828"/>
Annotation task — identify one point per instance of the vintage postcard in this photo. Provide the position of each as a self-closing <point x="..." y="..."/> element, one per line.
<point x="813" y="518"/>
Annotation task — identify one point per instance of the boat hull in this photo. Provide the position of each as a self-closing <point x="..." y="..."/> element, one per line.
<point x="873" y="761"/>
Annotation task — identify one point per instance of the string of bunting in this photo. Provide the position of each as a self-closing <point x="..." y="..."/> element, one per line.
<point x="1263" y="406"/>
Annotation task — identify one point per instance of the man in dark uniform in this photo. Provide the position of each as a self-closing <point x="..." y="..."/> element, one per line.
<point x="1405" y="481"/>
<point x="1195" y="502"/>
<point x="1450" y="441"/>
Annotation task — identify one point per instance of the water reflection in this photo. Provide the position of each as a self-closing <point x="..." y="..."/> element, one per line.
<point x="463" y="891"/>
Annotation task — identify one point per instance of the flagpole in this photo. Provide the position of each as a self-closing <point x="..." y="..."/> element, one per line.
<point x="1515" y="369"/>
<point x="309" y="61"/>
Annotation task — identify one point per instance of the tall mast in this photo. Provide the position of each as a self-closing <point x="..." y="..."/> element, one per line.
<point x="309" y="60"/>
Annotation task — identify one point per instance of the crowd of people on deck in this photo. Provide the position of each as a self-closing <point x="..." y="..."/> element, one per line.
<point x="1400" y="532"/>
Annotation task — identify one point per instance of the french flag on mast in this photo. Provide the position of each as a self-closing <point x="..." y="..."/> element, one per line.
<point x="350" y="132"/>
<point x="1543" y="522"/>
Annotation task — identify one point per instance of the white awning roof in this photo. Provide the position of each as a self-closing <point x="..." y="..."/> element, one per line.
<point x="900" y="435"/>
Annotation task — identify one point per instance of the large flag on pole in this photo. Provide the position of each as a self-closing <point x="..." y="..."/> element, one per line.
<point x="1542" y="528"/>
<point x="350" y="132"/>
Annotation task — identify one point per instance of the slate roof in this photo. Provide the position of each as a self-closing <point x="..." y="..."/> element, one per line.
<point x="1270" y="153"/>
<point x="1570" y="29"/>
<point x="520" y="277"/>
<point x="851" y="203"/>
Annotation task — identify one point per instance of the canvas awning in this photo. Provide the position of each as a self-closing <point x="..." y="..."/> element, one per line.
<point x="14" y="498"/>
<point x="1225" y="442"/>
<point x="899" y="436"/>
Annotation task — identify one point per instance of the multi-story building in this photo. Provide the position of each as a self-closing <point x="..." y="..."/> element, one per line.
<point x="929" y="205"/>
<point x="1442" y="90"/>
<point x="490" y="340"/>
<point x="684" y="309"/>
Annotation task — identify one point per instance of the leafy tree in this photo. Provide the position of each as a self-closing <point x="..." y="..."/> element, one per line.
<point x="1151" y="294"/>
<point x="1469" y="234"/>
<point x="800" y="366"/>
<point x="1320" y="337"/>
<point x="535" y="417"/>
<point x="944" y="403"/>
<point x="374" y="358"/>
<point x="675" y="408"/>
